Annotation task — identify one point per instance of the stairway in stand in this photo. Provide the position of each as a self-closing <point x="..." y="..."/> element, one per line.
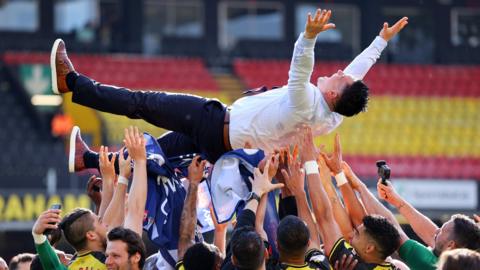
<point x="229" y="85"/>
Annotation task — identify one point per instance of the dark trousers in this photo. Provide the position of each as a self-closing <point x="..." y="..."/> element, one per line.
<point x="196" y="122"/>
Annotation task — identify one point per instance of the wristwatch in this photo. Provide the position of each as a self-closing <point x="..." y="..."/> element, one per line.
<point x="252" y="196"/>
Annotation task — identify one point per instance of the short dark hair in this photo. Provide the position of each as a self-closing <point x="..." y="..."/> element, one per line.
<point x="353" y="100"/>
<point x="132" y="239"/>
<point x="384" y="234"/>
<point x="36" y="264"/>
<point x="247" y="248"/>
<point x="200" y="256"/>
<point x="460" y="258"/>
<point x="292" y="236"/>
<point x="466" y="233"/>
<point x="20" y="258"/>
<point x="75" y="226"/>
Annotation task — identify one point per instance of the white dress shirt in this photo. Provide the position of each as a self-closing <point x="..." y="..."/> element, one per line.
<point x="269" y="120"/>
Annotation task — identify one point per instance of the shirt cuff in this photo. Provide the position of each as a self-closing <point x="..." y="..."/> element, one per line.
<point x="39" y="238"/>
<point x="380" y="43"/>
<point x="307" y="43"/>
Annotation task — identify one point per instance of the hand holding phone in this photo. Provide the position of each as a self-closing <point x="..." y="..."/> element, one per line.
<point x="383" y="171"/>
<point x="54" y="207"/>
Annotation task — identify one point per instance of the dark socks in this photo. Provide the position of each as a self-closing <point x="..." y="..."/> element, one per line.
<point x="91" y="160"/>
<point x="71" y="79"/>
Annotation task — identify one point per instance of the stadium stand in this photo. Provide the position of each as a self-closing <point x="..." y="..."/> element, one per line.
<point x="25" y="141"/>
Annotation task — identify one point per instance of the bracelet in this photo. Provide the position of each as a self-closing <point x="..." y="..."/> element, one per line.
<point x="341" y="179"/>
<point x="122" y="180"/>
<point x="311" y="167"/>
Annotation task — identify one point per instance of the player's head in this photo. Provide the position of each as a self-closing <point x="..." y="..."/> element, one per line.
<point x="248" y="250"/>
<point x="84" y="230"/>
<point x="459" y="232"/>
<point x="21" y="261"/>
<point x="292" y="237"/>
<point x="3" y="264"/>
<point x="460" y="258"/>
<point x="125" y="250"/>
<point x="202" y="256"/>
<point x="348" y="96"/>
<point x="376" y="238"/>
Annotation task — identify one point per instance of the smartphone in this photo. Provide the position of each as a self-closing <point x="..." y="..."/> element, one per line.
<point x="56" y="206"/>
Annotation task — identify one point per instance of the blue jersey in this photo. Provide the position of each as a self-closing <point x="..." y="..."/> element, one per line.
<point x="165" y="197"/>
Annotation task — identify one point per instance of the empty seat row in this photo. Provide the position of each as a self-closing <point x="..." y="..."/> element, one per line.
<point x="134" y="72"/>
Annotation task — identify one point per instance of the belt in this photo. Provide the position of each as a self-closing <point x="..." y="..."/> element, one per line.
<point x="226" y="131"/>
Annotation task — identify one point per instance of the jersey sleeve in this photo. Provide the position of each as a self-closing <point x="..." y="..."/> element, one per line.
<point x="48" y="257"/>
<point x="340" y="248"/>
<point x="417" y="256"/>
<point x="317" y="259"/>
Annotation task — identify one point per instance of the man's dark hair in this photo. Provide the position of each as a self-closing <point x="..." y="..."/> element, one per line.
<point x="132" y="239"/>
<point x="292" y="236"/>
<point x="75" y="226"/>
<point x="200" y="256"/>
<point x="384" y="234"/>
<point x="353" y="99"/>
<point x="20" y="258"/>
<point x="466" y="233"/>
<point x="247" y="248"/>
<point x="36" y="264"/>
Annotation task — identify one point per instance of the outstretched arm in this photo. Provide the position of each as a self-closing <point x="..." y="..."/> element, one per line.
<point x="322" y="208"/>
<point x="301" y="66"/>
<point x="295" y="181"/>
<point x="135" y="143"/>
<point x="335" y="164"/>
<point x="262" y="207"/>
<point x="359" y="67"/>
<point x="188" y="219"/>
<point x="421" y="225"/>
<point x="375" y="207"/>
<point x="115" y="213"/>
<point x="107" y="170"/>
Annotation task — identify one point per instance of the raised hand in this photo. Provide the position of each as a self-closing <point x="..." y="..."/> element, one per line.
<point x="124" y="166"/>
<point x="334" y="161"/>
<point x="476" y="218"/>
<point x="318" y="23"/>
<point x="94" y="186"/>
<point x="346" y="263"/>
<point x="107" y="167"/>
<point x="388" y="33"/>
<point x="295" y="177"/>
<point x="388" y="193"/>
<point x="43" y="221"/>
<point x="135" y="143"/>
<point x="196" y="169"/>
<point x="261" y="183"/>
<point x="274" y="163"/>
<point x="307" y="147"/>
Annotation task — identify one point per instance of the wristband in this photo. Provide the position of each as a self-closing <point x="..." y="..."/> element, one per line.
<point x="311" y="167"/>
<point x="39" y="238"/>
<point x="122" y="180"/>
<point x="341" y="179"/>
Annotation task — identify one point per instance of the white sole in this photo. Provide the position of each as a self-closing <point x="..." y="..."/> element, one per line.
<point x="71" y="153"/>
<point x="53" y="54"/>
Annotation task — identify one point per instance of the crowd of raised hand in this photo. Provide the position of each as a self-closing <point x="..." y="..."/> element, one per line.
<point x="328" y="219"/>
